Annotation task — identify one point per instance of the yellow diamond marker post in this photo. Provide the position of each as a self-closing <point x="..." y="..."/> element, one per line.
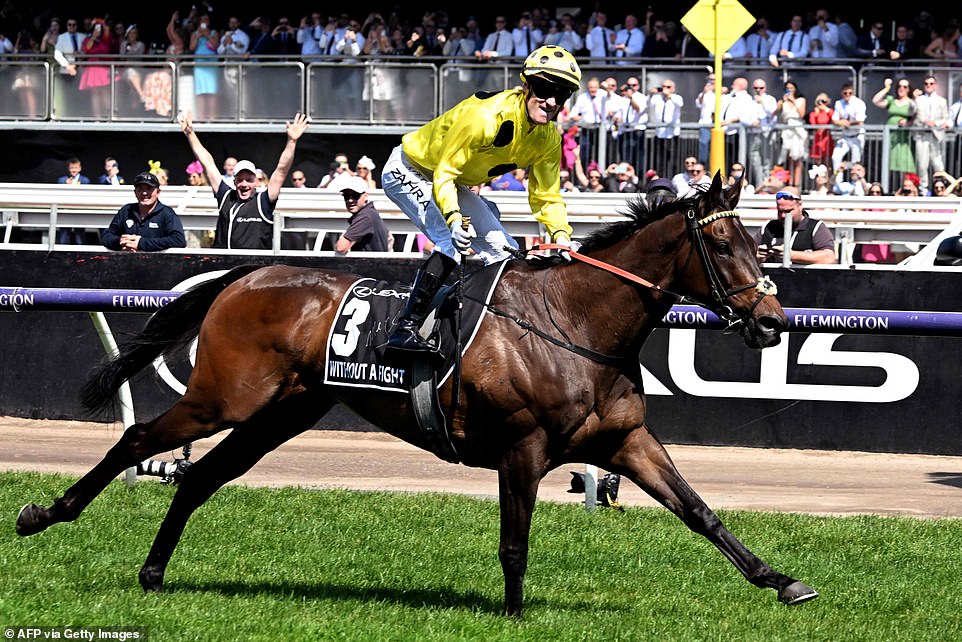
<point x="717" y="24"/>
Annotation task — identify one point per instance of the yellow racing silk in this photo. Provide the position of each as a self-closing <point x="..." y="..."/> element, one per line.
<point x="483" y="137"/>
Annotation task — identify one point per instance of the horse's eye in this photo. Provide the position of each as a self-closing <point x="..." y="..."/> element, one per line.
<point x="723" y="248"/>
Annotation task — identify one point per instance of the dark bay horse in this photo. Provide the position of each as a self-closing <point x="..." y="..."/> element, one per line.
<point x="527" y="405"/>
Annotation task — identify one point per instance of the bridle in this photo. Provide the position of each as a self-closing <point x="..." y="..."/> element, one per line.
<point x="718" y="293"/>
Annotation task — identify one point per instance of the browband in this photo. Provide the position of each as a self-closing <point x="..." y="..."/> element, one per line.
<point x="717" y="215"/>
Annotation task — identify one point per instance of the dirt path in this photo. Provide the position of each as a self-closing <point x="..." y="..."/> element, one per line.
<point x="803" y="481"/>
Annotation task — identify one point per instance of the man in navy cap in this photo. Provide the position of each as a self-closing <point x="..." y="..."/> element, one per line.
<point x="147" y="225"/>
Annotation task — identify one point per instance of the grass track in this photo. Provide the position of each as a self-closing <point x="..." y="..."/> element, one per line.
<point x="293" y="564"/>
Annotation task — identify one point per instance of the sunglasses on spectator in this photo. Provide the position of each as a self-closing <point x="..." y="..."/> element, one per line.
<point x="350" y="196"/>
<point x="788" y="196"/>
<point x="545" y="89"/>
<point x="875" y="192"/>
<point x="595" y="176"/>
<point x="697" y="171"/>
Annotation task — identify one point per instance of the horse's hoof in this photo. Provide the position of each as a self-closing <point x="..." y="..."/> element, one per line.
<point x="796" y="593"/>
<point x="30" y="520"/>
<point x="152" y="579"/>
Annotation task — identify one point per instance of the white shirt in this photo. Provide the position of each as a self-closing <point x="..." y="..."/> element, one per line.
<point x="796" y="43"/>
<point x="599" y="42"/>
<point x="740" y="109"/>
<point x="500" y="43"/>
<point x="526" y="40"/>
<point x="759" y="47"/>
<point x="569" y="40"/>
<point x="824" y="41"/>
<point x="853" y="110"/>
<point x="240" y="43"/>
<point x="633" y="39"/>
<point x="590" y="109"/>
<point x="666" y="114"/>
<point x="309" y="39"/>
<point x="635" y="111"/>
<point x="706" y="107"/>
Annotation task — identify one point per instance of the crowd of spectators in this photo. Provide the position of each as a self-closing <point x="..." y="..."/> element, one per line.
<point x="591" y="33"/>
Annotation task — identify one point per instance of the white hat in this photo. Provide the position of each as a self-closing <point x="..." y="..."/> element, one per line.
<point x="366" y="162"/>
<point x="355" y="184"/>
<point x="245" y="165"/>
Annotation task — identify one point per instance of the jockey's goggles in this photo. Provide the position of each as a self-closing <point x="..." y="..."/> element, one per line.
<point x="545" y="89"/>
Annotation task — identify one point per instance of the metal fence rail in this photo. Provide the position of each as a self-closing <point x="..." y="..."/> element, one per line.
<point x="42" y="209"/>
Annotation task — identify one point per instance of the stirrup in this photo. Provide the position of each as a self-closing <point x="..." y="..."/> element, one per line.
<point x="407" y="340"/>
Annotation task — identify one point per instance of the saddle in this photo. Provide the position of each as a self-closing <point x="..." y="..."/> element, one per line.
<point x="367" y="313"/>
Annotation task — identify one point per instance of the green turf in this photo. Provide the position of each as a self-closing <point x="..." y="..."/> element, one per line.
<point x="292" y="564"/>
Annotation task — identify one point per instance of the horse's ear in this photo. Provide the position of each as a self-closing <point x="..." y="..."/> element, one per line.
<point x="716" y="186"/>
<point x="732" y="195"/>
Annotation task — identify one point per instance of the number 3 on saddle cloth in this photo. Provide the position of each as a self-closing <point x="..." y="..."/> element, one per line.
<point x="365" y="318"/>
<point x="367" y="314"/>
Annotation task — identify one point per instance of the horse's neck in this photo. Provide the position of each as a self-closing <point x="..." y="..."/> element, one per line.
<point x="617" y="314"/>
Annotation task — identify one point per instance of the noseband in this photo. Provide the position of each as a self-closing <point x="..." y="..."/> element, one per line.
<point x="718" y="293"/>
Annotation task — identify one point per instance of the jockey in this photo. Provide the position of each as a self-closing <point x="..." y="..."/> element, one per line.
<point x="430" y="173"/>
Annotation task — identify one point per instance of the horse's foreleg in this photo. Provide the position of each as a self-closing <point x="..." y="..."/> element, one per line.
<point x="644" y="460"/>
<point x="518" y="478"/>
<point x="228" y="460"/>
<point x="173" y="429"/>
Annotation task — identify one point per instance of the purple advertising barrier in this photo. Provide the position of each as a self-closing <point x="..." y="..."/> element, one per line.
<point x="84" y="300"/>
<point x="883" y="322"/>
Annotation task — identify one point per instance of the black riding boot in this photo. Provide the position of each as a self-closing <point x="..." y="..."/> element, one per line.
<point x="430" y="277"/>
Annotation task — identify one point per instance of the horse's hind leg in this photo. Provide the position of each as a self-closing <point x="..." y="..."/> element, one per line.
<point x="644" y="460"/>
<point x="228" y="460"/>
<point x="183" y="423"/>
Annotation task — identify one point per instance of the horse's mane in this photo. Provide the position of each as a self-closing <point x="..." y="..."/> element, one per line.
<point x="638" y="215"/>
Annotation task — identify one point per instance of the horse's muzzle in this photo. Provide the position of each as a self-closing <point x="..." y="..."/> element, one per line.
<point x="765" y="331"/>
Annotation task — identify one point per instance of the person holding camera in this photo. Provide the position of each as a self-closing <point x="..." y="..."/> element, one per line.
<point x="811" y="240"/>
<point x="309" y="36"/>
<point x="96" y="78"/>
<point x="284" y="37"/>
<point x="822" y="142"/>
<point x="789" y="112"/>
<point x="338" y="174"/>
<point x="204" y="43"/>
<point x="901" y="113"/>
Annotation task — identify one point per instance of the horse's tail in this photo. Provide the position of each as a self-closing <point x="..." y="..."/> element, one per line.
<point x="171" y="328"/>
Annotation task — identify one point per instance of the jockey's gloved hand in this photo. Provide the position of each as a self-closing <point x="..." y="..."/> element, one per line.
<point x="562" y="239"/>
<point x="462" y="237"/>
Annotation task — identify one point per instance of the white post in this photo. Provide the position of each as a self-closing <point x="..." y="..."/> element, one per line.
<point x="124" y="394"/>
<point x="591" y="487"/>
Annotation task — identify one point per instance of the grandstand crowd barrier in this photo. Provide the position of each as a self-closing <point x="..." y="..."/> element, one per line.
<point x="392" y="95"/>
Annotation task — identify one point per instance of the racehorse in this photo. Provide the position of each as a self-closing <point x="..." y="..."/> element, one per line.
<point x="528" y="401"/>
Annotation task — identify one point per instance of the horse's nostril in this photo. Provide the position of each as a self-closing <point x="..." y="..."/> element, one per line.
<point x="773" y="324"/>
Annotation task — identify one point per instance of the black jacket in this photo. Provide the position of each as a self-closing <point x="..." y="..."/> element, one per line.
<point x="161" y="229"/>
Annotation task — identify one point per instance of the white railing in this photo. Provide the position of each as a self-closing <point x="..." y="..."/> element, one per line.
<point x="45" y="207"/>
